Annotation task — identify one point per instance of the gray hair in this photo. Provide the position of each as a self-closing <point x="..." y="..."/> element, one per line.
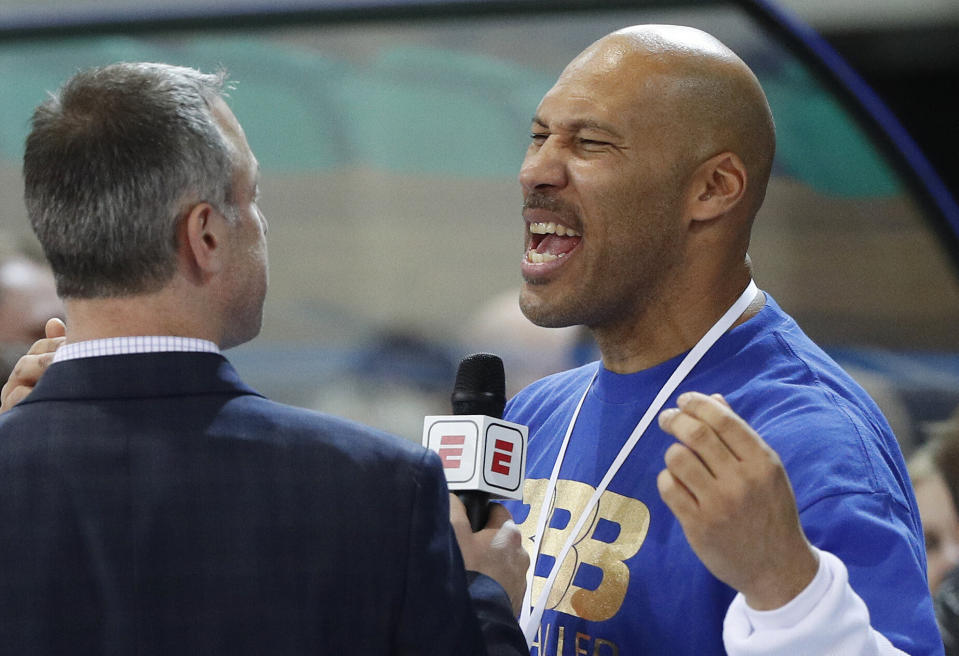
<point x="113" y="160"/>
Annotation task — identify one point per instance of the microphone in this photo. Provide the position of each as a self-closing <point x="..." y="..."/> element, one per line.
<point x="479" y="389"/>
<point x="483" y="455"/>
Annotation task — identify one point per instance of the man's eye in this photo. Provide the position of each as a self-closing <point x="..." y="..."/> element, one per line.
<point x="593" y="143"/>
<point x="537" y="137"/>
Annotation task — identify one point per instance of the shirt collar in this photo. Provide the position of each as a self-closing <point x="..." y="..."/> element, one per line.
<point x="129" y="345"/>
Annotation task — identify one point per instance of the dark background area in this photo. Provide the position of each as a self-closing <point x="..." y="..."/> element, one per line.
<point x="916" y="72"/>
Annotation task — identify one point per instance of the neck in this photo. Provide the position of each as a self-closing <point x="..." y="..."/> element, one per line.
<point x="667" y="329"/>
<point x="160" y="313"/>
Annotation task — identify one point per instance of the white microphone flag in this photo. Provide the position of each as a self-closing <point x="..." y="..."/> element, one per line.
<point x="479" y="453"/>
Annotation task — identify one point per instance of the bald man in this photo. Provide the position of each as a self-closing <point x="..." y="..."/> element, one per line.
<point x="713" y="483"/>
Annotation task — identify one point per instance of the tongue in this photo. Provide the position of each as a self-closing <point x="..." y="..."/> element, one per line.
<point x="556" y="245"/>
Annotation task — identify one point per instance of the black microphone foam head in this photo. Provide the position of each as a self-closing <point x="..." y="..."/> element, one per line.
<point x="480" y="387"/>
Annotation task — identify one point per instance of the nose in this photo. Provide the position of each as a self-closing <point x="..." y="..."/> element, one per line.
<point x="544" y="166"/>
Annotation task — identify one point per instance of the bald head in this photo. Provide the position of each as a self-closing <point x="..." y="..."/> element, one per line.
<point x="647" y="162"/>
<point x="691" y="91"/>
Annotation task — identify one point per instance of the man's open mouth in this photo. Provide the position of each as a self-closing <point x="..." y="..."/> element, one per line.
<point x="550" y="241"/>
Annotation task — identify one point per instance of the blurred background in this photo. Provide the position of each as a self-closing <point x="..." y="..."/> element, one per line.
<point x="390" y="134"/>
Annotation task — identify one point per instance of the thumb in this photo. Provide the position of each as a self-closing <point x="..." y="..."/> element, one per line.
<point x="55" y="328"/>
<point x="498" y="515"/>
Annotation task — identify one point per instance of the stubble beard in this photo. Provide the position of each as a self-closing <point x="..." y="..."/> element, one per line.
<point x="544" y="317"/>
<point x="248" y="287"/>
<point x="547" y="315"/>
<point x="623" y="286"/>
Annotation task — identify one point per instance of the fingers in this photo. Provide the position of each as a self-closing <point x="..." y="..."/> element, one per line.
<point x="55" y="328"/>
<point x="699" y="438"/>
<point x="507" y="533"/>
<point x="701" y="454"/>
<point x="498" y="515"/>
<point x="458" y="512"/>
<point x="46" y="345"/>
<point x="25" y="375"/>
<point x="703" y="416"/>
<point x="16" y="394"/>
<point x="713" y="445"/>
<point x="30" y="367"/>
<point x="496" y="551"/>
<point x="721" y="399"/>
<point x="676" y="495"/>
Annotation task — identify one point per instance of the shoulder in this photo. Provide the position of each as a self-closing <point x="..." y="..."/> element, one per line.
<point x="814" y="415"/>
<point x="785" y="381"/>
<point x="370" y="472"/>
<point x="307" y="430"/>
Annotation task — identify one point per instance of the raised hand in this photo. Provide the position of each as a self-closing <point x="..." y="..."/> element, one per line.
<point x="31" y="366"/>
<point x="732" y="497"/>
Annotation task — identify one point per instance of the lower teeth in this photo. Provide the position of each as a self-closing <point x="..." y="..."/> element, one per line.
<point x="540" y="258"/>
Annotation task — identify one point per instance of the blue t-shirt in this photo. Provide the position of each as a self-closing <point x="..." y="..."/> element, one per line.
<point x="631" y="584"/>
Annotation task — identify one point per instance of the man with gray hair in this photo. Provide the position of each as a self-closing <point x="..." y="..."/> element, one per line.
<point x="151" y="502"/>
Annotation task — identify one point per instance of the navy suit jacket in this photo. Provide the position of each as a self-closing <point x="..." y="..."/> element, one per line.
<point x="155" y="504"/>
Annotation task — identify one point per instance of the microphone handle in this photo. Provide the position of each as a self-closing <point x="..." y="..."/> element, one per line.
<point x="477" y="508"/>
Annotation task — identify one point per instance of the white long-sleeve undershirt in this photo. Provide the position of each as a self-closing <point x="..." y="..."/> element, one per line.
<point x="827" y="618"/>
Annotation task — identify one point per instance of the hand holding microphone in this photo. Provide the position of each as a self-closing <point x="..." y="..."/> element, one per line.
<point x="483" y="456"/>
<point x="496" y="550"/>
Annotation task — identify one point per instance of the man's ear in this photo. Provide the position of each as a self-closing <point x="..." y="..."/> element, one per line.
<point x="718" y="185"/>
<point x="202" y="234"/>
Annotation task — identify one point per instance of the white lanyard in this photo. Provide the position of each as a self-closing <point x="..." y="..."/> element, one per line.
<point x="531" y="616"/>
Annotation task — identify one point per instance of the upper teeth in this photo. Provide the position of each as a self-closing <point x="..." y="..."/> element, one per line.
<point x="552" y="228"/>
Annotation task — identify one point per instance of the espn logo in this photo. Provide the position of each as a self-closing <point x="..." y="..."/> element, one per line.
<point x="479" y="453"/>
<point x="502" y="457"/>
<point x="451" y="450"/>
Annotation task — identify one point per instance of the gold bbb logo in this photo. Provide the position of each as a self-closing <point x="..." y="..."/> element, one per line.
<point x="632" y="516"/>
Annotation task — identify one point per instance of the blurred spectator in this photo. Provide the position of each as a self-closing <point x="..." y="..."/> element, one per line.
<point x="529" y="352"/>
<point x="393" y="383"/>
<point x="28" y="297"/>
<point x="884" y="391"/>
<point x="942" y="453"/>
<point x="946" y="603"/>
<point x="937" y="509"/>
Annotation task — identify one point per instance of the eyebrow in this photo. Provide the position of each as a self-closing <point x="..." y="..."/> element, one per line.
<point x="580" y="124"/>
